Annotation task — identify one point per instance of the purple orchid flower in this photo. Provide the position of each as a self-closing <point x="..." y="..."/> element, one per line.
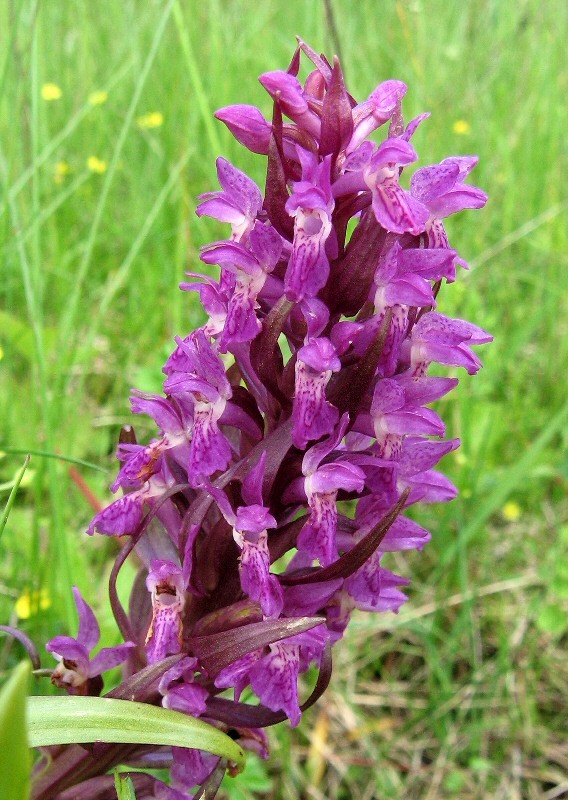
<point x="273" y="676"/>
<point x="394" y="418"/>
<point x="248" y="126"/>
<point x="250" y="525"/>
<point x="395" y="209"/>
<point x="180" y="691"/>
<point x="438" y="338"/>
<point x="238" y="203"/>
<point x="293" y="100"/>
<point x="313" y="415"/>
<point x="311" y="204"/>
<point x="320" y="486"/>
<point x="124" y="515"/>
<point x="165" y="582"/>
<point x="213" y="299"/>
<point x="251" y="265"/>
<point x="371" y="588"/>
<point x="442" y="190"/>
<point x="196" y="376"/>
<point x="76" y="671"/>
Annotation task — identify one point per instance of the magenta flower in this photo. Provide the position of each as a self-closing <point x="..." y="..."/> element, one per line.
<point x="374" y="112"/>
<point x="313" y="415"/>
<point x="311" y="205"/>
<point x="197" y="377"/>
<point x="274" y="675"/>
<point x="76" y="671"/>
<point x="165" y="582"/>
<point x="295" y="428"/>
<point x="441" y="188"/>
<point x="321" y="484"/>
<point x="250" y="266"/>
<point x="293" y="99"/>
<point x="438" y="338"/>
<point x="180" y="691"/>
<point x="250" y="525"/>
<point x="238" y="203"/>
<point x="395" y="209"/>
<point x="248" y="126"/>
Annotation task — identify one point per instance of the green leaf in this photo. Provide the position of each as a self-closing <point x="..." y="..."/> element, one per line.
<point x="69" y="720"/>
<point x="15" y="761"/>
<point x="124" y="787"/>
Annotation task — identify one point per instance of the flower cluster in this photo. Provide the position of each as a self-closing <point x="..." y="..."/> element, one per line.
<point x="294" y="429"/>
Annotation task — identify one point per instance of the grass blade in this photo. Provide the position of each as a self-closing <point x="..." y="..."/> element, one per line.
<point x="13" y="493"/>
<point x="70" y="317"/>
<point x="44" y="454"/>
<point x="194" y="73"/>
<point x="508" y="483"/>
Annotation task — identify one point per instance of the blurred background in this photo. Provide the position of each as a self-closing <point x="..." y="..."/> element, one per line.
<point x="107" y="139"/>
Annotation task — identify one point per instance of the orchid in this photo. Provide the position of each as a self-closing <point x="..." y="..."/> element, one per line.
<point x="294" y="429"/>
<point x="76" y="671"/>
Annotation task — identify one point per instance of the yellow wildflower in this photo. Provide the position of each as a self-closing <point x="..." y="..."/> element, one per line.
<point x="51" y="91"/>
<point x="61" y="169"/>
<point x="152" y="120"/>
<point x="461" y="127"/>
<point x="31" y="602"/>
<point x="96" y="165"/>
<point x="98" y="98"/>
<point x="511" y="511"/>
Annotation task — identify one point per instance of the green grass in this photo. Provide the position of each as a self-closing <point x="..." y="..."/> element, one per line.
<point x="460" y="696"/>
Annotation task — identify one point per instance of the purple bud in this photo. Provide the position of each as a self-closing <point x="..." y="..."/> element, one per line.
<point x="374" y="112"/>
<point x="287" y="90"/>
<point x="248" y="126"/>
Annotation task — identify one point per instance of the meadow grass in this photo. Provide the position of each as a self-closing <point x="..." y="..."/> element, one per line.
<point x="461" y="694"/>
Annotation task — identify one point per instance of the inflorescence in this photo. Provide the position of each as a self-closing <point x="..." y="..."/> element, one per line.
<point x="294" y="429"/>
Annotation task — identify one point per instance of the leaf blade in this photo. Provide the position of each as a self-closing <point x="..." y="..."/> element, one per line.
<point x="15" y="762"/>
<point x="74" y="720"/>
<point x="124" y="787"/>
